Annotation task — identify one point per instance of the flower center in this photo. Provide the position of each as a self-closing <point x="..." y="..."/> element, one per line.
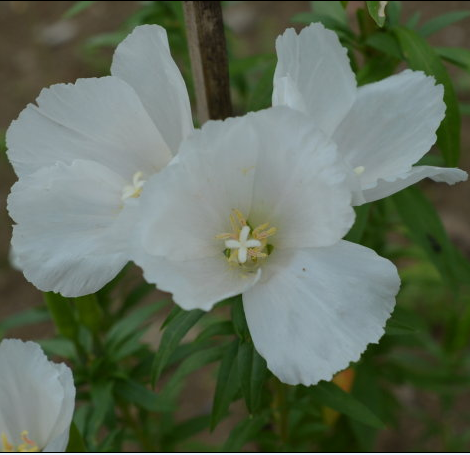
<point x="359" y="170"/>
<point x="27" y="446"/>
<point x="242" y="248"/>
<point x="135" y="188"/>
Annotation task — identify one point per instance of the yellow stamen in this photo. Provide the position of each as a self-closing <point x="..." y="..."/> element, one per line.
<point x="241" y="248"/>
<point x="27" y="446"/>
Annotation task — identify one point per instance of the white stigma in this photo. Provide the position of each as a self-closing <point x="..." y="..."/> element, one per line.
<point x="135" y="189"/>
<point x="359" y="170"/>
<point x="242" y="244"/>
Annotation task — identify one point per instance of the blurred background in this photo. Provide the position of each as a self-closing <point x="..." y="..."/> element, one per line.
<point x="43" y="43"/>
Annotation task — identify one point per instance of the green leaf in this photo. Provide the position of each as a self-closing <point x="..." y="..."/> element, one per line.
<point x="342" y="29"/>
<point x="77" y="8"/>
<point x="464" y="108"/>
<point x="238" y="319"/>
<point x="443" y="21"/>
<point x="393" y="13"/>
<point x="227" y="384"/>
<point x="252" y="372"/>
<point x="103" y="401"/>
<point x="332" y="9"/>
<point x="190" y="427"/>
<point x="126" y="327"/>
<point x="425" y="229"/>
<point x="76" y="443"/>
<point x="376" y="12"/>
<point x="413" y="20"/>
<point x="244" y="432"/>
<point x="386" y="43"/>
<point x="90" y="314"/>
<point x="174" y="332"/>
<point x="359" y="226"/>
<point x="261" y="94"/>
<point x="376" y="69"/>
<point x="421" y="56"/>
<point x="24" y="318"/>
<point x="221" y="328"/>
<point x="328" y="394"/>
<point x="62" y="314"/>
<point x="190" y="364"/>
<point x="59" y="346"/>
<point x="137" y="394"/>
<point x="457" y="55"/>
<point x="397" y="327"/>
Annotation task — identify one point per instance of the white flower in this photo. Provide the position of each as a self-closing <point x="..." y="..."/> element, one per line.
<point x="82" y="156"/>
<point x="380" y="129"/>
<point x="37" y="398"/>
<point x="257" y="205"/>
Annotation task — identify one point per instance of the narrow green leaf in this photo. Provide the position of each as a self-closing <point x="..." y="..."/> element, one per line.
<point x="342" y="29"/>
<point x="59" y="346"/>
<point x="90" y="314"/>
<point x="137" y="394"/>
<point x="244" y="432"/>
<point x="238" y="318"/>
<point x="397" y="327"/>
<point x="413" y="20"/>
<point x="126" y="327"/>
<point x="464" y="108"/>
<point x="425" y="229"/>
<point x="77" y="8"/>
<point x="457" y="55"/>
<point x="174" y="332"/>
<point x="393" y="13"/>
<point x="190" y="427"/>
<point x="227" y="384"/>
<point x="24" y="318"/>
<point x="252" y="371"/>
<point x="62" y="314"/>
<point x="190" y="364"/>
<point x="386" y="43"/>
<point x="75" y="443"/>
<point x="421" y="56"/>
<point x="329" y="394"/>
<point x="359" y="226"/>
<point x="377" y="12"/>
<point x="376" y="69"/>
<point x="261" y="94"/>
<point x="103" y="401"/>
<point x="217" y="329"/>
<point x="440" y="22"/>
<point x="331" y="9"/>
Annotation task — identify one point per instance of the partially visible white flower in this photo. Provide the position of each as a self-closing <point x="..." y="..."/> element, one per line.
<point x="37" y="399"/>
<point x="82" y="156"/>
<point x="381" y="129"/>
<point x="257" y="206"/>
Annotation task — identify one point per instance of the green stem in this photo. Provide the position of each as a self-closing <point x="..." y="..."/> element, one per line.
<point x="141" y="435"/>
<point x="280" y="410"/>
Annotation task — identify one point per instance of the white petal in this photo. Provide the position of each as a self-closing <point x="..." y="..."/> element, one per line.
<point x="392" y="125"/>
<point x="67" y="236"/>
<point x="316" y="310"/>
<point x="144" y="61"/>
<point x="385" y="188"/>
<point x="98" y="119"/>
<point x="313" y="75"/>
<point x="300" y="183"/>
<point x="197" y="283"/>
<point x="188" y="204"/>
<point x="59" y="437"/>
<point x="32" y="393"/>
